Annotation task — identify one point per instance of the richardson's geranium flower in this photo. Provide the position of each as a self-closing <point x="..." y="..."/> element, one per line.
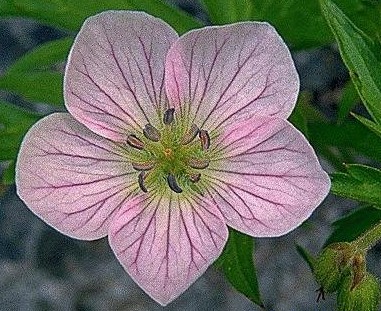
<point x="168" y="141"/>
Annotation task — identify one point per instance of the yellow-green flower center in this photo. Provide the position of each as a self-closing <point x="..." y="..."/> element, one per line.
<point x="171" y="156"/>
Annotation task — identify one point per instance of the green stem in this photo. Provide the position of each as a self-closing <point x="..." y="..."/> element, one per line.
<point x="367" y="240"/>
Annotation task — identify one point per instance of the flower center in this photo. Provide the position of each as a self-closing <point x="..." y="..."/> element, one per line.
<point x="169" y="157"/>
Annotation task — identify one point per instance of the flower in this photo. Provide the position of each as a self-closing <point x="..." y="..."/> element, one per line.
<point x="168" y="141"/>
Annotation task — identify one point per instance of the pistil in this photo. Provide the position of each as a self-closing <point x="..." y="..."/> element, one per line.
<point x="169" y="154"/>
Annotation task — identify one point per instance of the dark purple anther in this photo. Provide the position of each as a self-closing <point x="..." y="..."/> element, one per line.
<point x="172" y="183"/>
<point x="169" y="116"/>
<point x="198" y="163"/>
<point x="135" y="142"/>
<point x="205" y="140"/>
<point x="151" y="133"/>
<point x="141" y="177"/>
<point x="194" y="177"/>
<point x="190" y="135"/>
<point x="143" y="166"/>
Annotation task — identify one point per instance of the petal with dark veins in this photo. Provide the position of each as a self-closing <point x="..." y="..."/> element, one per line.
<point x="221" y="74"/>
<point x="114" y="79"/>
<point x="72" y="178"/>
<point x="165" y="244"/>
<point x="265" y="177"/>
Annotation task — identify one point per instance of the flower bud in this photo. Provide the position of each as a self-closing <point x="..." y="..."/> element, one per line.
<point x="365" y="296"/>
<point x="329" y="267"/>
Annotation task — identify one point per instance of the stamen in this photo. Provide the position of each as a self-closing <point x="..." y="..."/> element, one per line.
<point x="205" y="139"/>
<point x="169" y="116"/>
<point x="141" y="177"/>
<point x="194" y="177"/>
<point x="135" y="142"/>
<point x="151" y="133"/>
<point x="143" y="166"/>
<point x="172" y="183"/>
<point x="190" y="135"/>
<point x="198" y="163"/>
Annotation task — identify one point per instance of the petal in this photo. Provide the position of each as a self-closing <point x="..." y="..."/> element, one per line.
<point x="71" y="178"/>
<point x="166" y="244"/>
<point x="227" y="72"/>
<point x="114" y="80"/>
<point x="265" y="177"/>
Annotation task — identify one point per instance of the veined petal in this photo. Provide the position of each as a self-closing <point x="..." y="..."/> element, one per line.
<point x="165" y="244"/>
<point x="217" y="74"/>
<point x="265" y="177"/>
<point x="114" y="79"/>
<point x="72" y="178"/>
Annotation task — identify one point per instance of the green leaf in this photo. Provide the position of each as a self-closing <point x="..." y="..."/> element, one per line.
<point x="43" y="87"/>
<point x="348" y="100"/>
<point x="353" y="225"/>
<point x="70" y="14"/>
<point x="228" y="11"/>
<point x="360" y="182"/>
<point x="376" y="128"/>
<point x="346" y="141"/>
<point x="361" y="55"/>
<point x="35" y="75"/>
<point x="14" y="123"/>
<point x="301" y="25"/>
<point x="238" y="266"/>
<point x="44" y="57"/>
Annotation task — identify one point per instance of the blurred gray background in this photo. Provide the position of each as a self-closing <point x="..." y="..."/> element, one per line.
<point x="41" y="269"/>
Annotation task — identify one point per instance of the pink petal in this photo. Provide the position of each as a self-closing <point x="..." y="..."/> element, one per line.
<point x="227" y="72"/>
<point x="265" y="177"/>
<point x="114" y="80"/>
<point x="71" y="178"/>
<point x="166" y="244"/>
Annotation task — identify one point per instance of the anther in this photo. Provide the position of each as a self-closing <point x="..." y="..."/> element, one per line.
<point x="141" y="177"/>
<point x="143" y="166"/>
<point x="135" y="142"/>
<point x="205" y="139"/>
<point x="151" y="133"/>
<point x="172" y="183"/>
<point x="190" y="135"/>
<point x="198" y="163"/>
<point x="169" y="116"/>
<point x="194" y="177"/>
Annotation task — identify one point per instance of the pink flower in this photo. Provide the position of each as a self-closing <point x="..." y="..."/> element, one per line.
<point x="170" y="140"/>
